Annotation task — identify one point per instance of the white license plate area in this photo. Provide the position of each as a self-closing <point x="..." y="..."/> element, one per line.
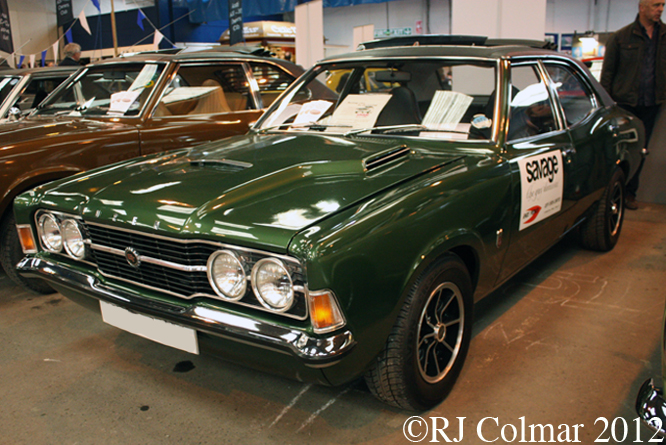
<point x="160" y="331"/>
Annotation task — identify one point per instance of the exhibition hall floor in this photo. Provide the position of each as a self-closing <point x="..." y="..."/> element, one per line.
<point x="567" y="342"/>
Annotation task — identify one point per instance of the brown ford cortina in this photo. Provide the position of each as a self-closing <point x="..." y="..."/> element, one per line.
<point x="128" y="107"/>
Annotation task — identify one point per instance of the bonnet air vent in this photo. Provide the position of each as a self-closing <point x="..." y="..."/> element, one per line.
<point x="390" y="156"/>
<point x="226" y="165"/>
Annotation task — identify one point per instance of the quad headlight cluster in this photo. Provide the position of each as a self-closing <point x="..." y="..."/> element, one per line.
<point x="270" y="279"/>
<point x="61" y="234"/>
<point x="246" y="277"/>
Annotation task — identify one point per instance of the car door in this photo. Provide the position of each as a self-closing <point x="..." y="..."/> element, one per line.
<point x="592" y="132"/>
<point x="203" y="102"/>
<point x="542" y="157"/>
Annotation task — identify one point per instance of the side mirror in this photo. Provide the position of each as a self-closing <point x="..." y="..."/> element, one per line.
<point x="15" y="114"/>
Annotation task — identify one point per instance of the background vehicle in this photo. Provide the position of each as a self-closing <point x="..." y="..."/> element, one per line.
<point x="127" y="107"/>
<point x="352" y="230"/>
<point x="22" y="90"/>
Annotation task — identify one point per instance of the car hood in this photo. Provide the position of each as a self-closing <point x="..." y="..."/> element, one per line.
<point x="256" y="190"/>
<point x="35" y="128"/>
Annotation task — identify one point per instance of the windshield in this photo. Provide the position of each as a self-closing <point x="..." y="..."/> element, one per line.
<point x="442" y="98"/>
<point x="105" y="91"/>
<point x="7" y="83"/>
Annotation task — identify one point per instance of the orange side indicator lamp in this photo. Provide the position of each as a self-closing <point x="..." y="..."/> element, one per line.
<point x="325" y="313"/>
<point x="25" y="237"/>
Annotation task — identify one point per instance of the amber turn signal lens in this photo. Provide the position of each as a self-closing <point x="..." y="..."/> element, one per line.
<point x="324" y="312"/>
<point x="27" y="240"/>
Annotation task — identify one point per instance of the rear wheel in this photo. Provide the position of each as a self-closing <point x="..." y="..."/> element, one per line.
<point x="602" y="229"/>
<point x="426" y="349"/>
<point x="11" y="253"/>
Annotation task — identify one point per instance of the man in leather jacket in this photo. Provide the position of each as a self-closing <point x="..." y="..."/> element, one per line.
<point x="634" y="72"/>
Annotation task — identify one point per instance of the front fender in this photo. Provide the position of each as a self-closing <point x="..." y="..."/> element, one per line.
<point x="369" y="255"/>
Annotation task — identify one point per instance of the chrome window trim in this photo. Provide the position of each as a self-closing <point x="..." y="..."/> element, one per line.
<point x="313" y="72"/>
<point x="75" y="77"/>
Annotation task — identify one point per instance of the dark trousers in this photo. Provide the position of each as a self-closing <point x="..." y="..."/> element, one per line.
<point x="648" y="115"/>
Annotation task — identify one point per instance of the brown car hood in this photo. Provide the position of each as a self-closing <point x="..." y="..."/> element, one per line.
<point x="39" y="128"/>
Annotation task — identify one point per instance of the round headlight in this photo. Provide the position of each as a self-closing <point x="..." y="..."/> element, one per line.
<point x="226" y="275"/>
<point x="272" y="284"/>
<point x="73" y="239"/>
<point x="49" y="232"/>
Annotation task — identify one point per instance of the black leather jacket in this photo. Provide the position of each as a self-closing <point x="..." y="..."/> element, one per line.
<point x="620" y="74"/>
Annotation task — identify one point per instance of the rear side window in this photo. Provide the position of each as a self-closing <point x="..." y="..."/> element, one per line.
<point x="271" y="81"/>
<point x="576" y="99"/>
<point x="205" y="90"/>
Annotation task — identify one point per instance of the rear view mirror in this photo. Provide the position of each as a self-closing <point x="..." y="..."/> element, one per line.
<point x="393" y="76"/>
<point x="114" y="75"/>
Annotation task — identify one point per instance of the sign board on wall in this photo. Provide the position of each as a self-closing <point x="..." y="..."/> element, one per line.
<point x="6" y="43"/>
<point x="235" y="22"/>
<point x="64" y="12"/>
<point x="392" y="32"/>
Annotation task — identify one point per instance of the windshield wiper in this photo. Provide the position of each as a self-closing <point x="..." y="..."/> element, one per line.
<point x="388" y="129"/>
<point x="308" y="126"/>
<point x="393" y="129"/>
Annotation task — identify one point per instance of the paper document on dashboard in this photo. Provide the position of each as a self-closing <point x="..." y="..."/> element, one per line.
<point x="359" y="110"/>
<point x="447" y="107"/>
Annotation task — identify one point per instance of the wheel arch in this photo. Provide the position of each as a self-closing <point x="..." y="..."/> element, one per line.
<point x="31" y="180"/>
<point x="464" y="244"/>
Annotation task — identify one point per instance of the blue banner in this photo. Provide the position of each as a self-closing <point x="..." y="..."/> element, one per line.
<point x="213" y="10"/>
<point x="139" y="19"/>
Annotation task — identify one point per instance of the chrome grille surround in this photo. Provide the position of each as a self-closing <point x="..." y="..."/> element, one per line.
<point x="178" y="267"/>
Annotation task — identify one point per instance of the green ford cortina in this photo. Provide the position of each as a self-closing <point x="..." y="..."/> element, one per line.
<point x="351" y="231"/>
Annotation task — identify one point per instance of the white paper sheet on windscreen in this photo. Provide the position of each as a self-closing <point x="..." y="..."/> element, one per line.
<point x="312" y="111"/>
<point x="359" y="110"/>
<point x="120" y="102"/>
<point x="447" y="107"/>
<point x="145" y="78"/>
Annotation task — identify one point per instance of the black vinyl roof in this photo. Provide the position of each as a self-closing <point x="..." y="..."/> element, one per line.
<point x="457" y="40"/>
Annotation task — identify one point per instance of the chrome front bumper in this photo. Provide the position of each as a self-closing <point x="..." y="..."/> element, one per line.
<point x="316" y="352"/>
<point x="651" y="407"/>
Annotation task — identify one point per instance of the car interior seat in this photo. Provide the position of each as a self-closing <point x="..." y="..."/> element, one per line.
<point x="401" y="109"/>
<point x="213" y="102"/>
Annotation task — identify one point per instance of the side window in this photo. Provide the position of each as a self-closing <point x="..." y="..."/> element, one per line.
<point x="530" y="109"/>
<point x="36" y="91"/>
<point x="206" y="89"/>
<point x="271" y="80"/>
<point x="576" y="100"/>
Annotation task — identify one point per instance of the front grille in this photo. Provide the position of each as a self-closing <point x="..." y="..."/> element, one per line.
<point x="181" y="283"/>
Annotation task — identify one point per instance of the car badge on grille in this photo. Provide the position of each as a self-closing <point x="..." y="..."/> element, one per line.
<point x="132" y="257"/>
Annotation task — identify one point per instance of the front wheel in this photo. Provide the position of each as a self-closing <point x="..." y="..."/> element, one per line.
<point x="426" y="349"/>
<point x="602" y="229"/>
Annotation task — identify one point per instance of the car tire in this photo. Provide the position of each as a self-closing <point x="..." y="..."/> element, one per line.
<point x="602" y="229"/>
<point x="12" y="253"/>
<point x="428" y="344"/>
